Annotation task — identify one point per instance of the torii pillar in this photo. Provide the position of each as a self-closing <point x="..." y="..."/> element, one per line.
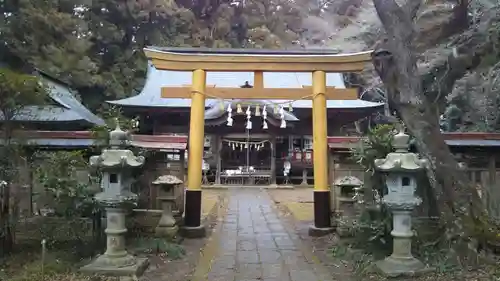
<point x="322" y="208"/>
<point x="192" y="212"/>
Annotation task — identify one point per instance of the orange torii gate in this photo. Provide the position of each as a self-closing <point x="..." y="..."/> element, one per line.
<point x="199" y="61"/>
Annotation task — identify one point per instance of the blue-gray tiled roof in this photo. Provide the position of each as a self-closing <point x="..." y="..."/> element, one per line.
<point x="150" y="96"/>
<point x="477" y="142"/>
<point x="68" y="108"/>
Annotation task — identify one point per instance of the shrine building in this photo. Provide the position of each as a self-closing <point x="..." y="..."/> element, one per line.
<point x="275" y="149"/>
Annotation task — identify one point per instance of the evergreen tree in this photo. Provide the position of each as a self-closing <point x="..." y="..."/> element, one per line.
<point x="96" y="46"/>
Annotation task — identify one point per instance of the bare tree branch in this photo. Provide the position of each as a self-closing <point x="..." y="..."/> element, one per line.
<point x="465" y="53"/>
<point x="411" y="8"/>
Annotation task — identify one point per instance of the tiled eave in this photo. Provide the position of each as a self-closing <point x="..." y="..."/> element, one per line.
<point x="84" y="139"/>
<point x="78" y="139"/>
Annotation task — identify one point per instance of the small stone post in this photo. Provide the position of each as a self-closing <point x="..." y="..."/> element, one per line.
<point x="167" y="226"/>
<point x="117" y="199"/>
<point x="400" y="168"/>
<point x="346" y="197"/>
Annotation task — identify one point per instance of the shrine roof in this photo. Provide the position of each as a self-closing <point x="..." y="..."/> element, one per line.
<point x="476" y="143"/>
<point x="253" y="52"/>
<point x="66" y="107"/>
<point x="150" y="96"/>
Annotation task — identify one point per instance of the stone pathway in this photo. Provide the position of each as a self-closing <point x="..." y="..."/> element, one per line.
<point x="254" y="243"/>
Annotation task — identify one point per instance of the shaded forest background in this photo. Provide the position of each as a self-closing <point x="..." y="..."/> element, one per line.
<point x="96" y="45"/>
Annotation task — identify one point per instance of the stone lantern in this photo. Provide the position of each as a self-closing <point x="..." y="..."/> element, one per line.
<point x="400" y="168"/>
<point x="167" y="226"/>
<point x="116" y="164"/>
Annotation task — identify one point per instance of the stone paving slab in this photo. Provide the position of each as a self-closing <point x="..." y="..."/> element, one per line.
<point x="209" y="200"/>
<point x="299" y="202"/>
<point x="253" y="243"/>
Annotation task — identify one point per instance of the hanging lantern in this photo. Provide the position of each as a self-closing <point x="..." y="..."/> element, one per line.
<point x="248" y="112"/>
<point x="257" y="110"/>
<point x="238" y="109"/>
<point x="246" y="145"/>
<point x="233" y="146"/>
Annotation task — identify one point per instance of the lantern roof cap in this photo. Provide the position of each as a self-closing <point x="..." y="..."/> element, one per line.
<point x="401" y="160"/>
<point x="118" y="137"/>
<point x="401" y="141"/>
<point x="117" y="158"/>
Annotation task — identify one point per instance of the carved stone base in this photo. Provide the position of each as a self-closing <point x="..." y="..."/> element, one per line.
<point x="395" y="266"/>
<point x="124" y="266"/>
<point x="193" y="232"/>
<point x="318" y="232"/>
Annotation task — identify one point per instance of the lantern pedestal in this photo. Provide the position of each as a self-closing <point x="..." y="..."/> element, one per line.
<point x="167" y="225"/>
<point x="401" y="261"/>
<point x="397" y="266"/>
<point x="116" y="261"/>
<point x="105" y="266"/>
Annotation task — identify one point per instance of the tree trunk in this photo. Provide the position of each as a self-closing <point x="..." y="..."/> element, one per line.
<point x="6" y="160"/>
<point x="6" y="238"/>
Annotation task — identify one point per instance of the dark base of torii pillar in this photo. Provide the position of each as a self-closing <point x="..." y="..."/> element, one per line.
<point x="192" y="227"/>
<point x="322" y="214"/>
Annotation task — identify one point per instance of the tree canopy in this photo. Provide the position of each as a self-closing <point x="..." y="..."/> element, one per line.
<point x="96" y="46"/>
